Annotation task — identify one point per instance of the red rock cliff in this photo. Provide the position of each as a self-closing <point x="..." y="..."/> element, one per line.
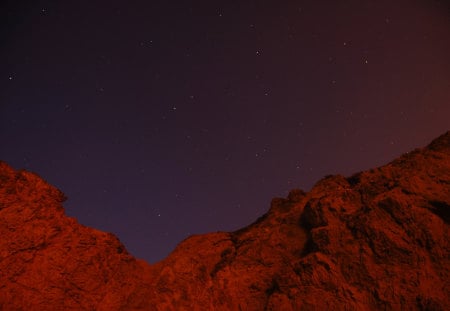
<point x="378" y="240"/>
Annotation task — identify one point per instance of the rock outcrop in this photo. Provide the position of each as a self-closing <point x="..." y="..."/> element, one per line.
<point x="378" y="240"/>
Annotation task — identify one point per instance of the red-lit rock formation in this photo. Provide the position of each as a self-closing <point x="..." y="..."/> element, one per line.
<point x="378" y="240"/>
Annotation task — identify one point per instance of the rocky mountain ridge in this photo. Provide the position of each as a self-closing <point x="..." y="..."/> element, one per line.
<point x="377" y="240"/>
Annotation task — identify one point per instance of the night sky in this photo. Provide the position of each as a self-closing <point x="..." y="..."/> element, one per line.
<point x="162" y="119"/>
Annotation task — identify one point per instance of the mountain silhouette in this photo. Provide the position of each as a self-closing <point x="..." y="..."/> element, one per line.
<point x="377" y="240"/>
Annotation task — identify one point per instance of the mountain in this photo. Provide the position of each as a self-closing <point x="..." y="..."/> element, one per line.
<point x="377" y="240"/>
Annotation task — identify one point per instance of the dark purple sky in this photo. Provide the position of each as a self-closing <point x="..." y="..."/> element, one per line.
<point x="163" y="120"/>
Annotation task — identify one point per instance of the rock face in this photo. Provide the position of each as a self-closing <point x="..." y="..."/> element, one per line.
<point x="378" y="240"/>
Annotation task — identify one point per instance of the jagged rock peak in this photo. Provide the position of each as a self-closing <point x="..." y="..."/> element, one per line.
<point x="441" y="143"/>
<point x="377" y="240"/>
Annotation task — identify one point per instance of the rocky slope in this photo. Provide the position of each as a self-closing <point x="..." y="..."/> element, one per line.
<point x="378" y="240"/>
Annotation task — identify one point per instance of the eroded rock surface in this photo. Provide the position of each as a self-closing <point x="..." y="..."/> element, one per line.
<point x="378" y="240"/>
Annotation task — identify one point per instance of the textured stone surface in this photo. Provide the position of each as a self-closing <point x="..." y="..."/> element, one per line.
<point x="378" y="240"/>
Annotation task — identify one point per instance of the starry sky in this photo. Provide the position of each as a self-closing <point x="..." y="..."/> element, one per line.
<point x="162" y="119"/>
